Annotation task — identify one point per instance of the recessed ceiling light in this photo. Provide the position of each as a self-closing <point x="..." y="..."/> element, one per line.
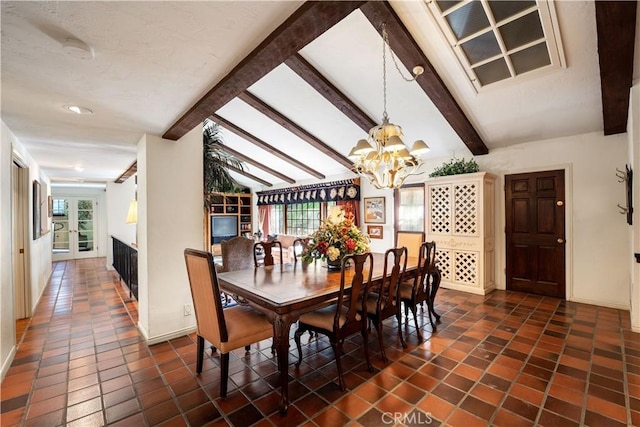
<point x="78" y="48"/>
<point x="79" y="168"/>
<point x="77" y="109"/>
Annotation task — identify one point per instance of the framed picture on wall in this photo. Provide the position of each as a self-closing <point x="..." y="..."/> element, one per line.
<point x="374" y="210"/>
<point x="374" y="231"/>
<point x="37" y="230"/>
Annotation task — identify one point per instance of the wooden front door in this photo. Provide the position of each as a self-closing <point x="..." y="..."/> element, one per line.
<point x="535" y="228"/>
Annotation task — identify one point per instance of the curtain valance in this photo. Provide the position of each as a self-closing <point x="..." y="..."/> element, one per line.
<point x="325" y="192"/>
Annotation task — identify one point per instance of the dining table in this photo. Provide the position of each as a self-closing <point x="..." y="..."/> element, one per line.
<point x="284" y="292"/>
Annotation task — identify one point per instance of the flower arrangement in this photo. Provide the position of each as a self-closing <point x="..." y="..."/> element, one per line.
<point x="337" y="236"/>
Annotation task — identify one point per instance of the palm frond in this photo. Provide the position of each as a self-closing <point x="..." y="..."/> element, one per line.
<point x="216" y="161"/>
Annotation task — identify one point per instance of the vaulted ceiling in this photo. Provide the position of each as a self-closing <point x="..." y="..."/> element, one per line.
<point x="293" y="85"/>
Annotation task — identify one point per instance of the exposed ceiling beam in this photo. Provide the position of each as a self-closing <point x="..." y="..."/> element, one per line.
<point x="131" y="170"/>
<point x="325" y="88"/>
<point x="257" y="164"/>
<point x="408" y="51"/>
<point x="308" y="22"/>
<point x="260" y="143"/>
<point x="286" y="123"/>
<point x="616" y="24"/>
<point x="248" y="175"/>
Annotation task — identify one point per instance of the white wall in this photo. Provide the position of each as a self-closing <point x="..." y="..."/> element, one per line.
<point x="118" y="197"/>
<point x="170" y="219"/>
<point x="633" y="130"/>
<point x="388" y="232"/>
<point x="7" y="321"/>
<point x="39" y="250"/>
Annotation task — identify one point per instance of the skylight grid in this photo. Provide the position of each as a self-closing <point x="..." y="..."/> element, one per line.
<point x="497" y="40"/>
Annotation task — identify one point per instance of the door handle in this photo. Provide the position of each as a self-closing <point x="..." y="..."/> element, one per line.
<point x="560" y="240"/>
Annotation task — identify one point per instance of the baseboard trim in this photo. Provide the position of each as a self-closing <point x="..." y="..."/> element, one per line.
<point x="6" y="364"/>
<point x="165" y="337"/>
<point x="601" y="303"/>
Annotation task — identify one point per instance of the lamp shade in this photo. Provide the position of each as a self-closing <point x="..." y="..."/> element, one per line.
<point x="419" y="147"/>
<point x="362" y="147"/>
<point x="132" y="214"/>
<point x="394" y="144"/>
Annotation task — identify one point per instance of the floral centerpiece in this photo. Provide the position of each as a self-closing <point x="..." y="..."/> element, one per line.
<point x="337" y="236"/>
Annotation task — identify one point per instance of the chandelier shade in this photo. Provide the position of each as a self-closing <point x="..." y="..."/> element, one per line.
<point x="383" y="158"/>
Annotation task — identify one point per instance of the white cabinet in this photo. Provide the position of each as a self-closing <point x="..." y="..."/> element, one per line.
<point x="460" y="219"/>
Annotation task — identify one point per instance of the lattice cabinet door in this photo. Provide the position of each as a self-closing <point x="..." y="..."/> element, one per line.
<point x="465" y="202"/>
<point x="439" y="218"/>
<point x="462" y="223"/>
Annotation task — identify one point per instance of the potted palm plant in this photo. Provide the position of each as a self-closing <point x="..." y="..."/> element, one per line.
<point x="216" y="163"/>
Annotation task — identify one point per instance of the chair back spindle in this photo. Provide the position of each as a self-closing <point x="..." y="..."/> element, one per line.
<point x="268" y="249"/>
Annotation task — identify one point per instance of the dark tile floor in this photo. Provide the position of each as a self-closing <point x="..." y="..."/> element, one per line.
<point x="505" y="359"/>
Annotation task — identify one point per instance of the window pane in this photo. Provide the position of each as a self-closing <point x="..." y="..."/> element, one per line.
<point x="480" y="48"/>
<point x="445" y="5"/>
<point x="411" y="209"/>
<point x="467" y="20"/>
<point x="531" y="58"/>
<point x="504" y="9"/>
<point x="85" y="205"/>
<point x="522" y="31"/>
<point x="492" y="72"/>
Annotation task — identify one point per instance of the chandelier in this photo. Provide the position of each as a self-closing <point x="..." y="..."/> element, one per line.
<point x="383" y="158"/>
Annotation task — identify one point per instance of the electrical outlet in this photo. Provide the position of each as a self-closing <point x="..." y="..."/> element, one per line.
<point x="187" y="309"/>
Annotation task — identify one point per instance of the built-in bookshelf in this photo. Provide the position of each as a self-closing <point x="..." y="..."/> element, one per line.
<point x="230" y="215"/>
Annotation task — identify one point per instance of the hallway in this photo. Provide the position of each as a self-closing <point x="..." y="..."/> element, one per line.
<point x="505" y="359"/>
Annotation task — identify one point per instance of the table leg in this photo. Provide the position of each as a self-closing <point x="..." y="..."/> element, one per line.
<point x="281" y="328"/>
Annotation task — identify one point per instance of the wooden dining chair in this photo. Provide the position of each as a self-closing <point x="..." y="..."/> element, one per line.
<point x="299" y="245"/>
<point x="342" y="319"/>
<point x="384" y="302"/>
<point x="226" y="329"/>
<point x="267" y="249"/>
<point x="410" y="240"/>
<point x="415" y="292"/>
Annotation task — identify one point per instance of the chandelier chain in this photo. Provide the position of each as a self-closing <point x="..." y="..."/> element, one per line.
<point x="384" y="72"/>
<point x="385" y="37"/>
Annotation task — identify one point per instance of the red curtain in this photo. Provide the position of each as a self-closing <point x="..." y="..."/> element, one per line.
<point x="352" y="206"/>
<point x="264" y="218"/>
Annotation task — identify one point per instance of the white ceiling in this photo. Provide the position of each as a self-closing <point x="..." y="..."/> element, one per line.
<point x="154" y="60"/>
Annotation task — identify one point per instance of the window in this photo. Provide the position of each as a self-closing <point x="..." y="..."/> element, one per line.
<point x="500" y="40"/>
<point x="276" y="220"/>
<point x="298" y="219"/>
<point x="409" y="208"/>
<point x="303" y="218"/>
<point x="59" y="207"/>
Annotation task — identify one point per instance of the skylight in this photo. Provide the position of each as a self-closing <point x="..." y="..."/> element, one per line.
<point x="497" y="41"/>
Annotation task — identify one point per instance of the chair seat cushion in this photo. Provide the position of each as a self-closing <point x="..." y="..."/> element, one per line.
<point x="405" y="290"/>
<point x="323" y="318"/>
<point x="244" y="326"/>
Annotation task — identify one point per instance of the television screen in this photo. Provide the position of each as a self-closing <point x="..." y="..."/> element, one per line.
<point x="223" y="227"/>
